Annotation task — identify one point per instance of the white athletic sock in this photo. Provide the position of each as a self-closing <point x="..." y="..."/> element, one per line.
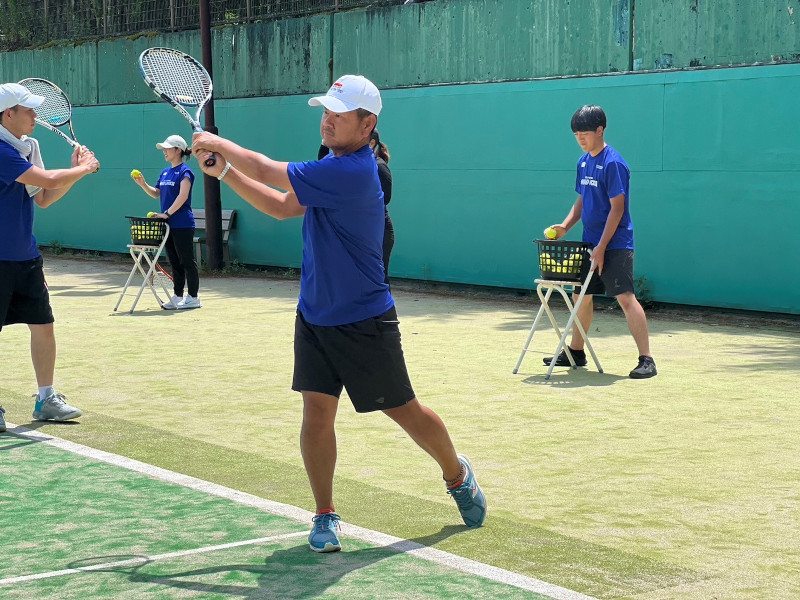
<point x="45" y="391"/>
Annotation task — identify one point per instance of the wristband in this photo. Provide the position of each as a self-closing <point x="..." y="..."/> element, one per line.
<point x="224" y="171"/>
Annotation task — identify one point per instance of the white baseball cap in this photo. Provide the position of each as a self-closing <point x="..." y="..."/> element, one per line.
<point x="350" y="92"/>
<point x="14" y="94"/>
<point x="173" y="141"/>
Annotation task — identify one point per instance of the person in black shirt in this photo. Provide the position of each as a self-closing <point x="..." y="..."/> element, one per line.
<point x="385" y="176"/>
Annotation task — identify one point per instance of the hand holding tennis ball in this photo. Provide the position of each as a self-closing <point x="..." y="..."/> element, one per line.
<point x="550" y="233"/>
<point x="151" y="214"/>
<point x="136" y="174"/>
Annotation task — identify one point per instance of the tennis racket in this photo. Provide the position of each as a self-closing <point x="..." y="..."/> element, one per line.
<point x="180" y="80"/>
<point x="55" y="111"/>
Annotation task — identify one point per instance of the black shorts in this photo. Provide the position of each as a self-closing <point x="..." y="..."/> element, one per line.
<point x="365" y="358"/>
<point x="23" y="293"/>
<point x="617" y="277"/>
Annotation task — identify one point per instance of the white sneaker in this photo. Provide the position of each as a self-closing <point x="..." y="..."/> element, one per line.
<point x="189" y="302"/>
<point x="172" y="303"/>
<point x="54" y="408"/>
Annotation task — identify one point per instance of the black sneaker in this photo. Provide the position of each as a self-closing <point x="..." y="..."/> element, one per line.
<point x="645" y="369"/>
<point x="579" y="356"/>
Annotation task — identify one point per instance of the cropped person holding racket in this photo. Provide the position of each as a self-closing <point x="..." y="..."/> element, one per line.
<point x="603" y="184"/>
<point x="174" y="188"/>
<point x="23" y="292"/>
<point x="346" y="330"/>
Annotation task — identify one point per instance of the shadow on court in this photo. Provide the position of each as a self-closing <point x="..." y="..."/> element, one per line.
<point x="574" y="378"/>
<point x="291" y="573"/>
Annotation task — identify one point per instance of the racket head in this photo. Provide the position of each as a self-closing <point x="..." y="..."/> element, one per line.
<point x="176" y="77"/>
<point x="56" y="110"/>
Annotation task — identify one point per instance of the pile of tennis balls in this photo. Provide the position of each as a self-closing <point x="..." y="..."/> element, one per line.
<point x="139" y="231"/>
<point x="569" y="266"/>
<point x="146" y="230"/>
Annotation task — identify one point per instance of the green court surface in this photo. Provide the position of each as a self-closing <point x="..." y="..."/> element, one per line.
<point x="78" y="527"/>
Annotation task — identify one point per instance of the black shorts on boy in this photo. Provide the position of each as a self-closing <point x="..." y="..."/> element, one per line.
<point x="617" y="275"/>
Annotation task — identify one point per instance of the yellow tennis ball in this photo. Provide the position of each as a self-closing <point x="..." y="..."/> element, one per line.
<point x="151" y="214"/>
<point x="135" y="173"/>
<point x="550" y="233"/>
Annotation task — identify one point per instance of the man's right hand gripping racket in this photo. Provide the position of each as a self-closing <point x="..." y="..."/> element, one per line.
<point x="180" y="80"/>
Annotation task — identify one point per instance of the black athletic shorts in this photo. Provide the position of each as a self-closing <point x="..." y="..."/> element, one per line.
<point x="23" y="293"/>
<point x="617" y="277"/>
<point x="365" y="358"/>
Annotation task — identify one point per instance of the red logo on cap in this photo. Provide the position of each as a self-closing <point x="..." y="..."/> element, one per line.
<point x="337" y="84"/>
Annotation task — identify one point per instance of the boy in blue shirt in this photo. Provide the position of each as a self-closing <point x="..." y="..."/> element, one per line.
<point x="346" y="330"/>
<point x="603" y="204"/>
<point x="23" y="291"/>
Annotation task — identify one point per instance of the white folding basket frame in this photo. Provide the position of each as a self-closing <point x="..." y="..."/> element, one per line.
<point x="553" y="285"/>
<point x="148" y="255"/>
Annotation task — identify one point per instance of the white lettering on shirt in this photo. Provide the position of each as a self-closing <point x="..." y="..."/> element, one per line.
<point x="589" y="181"/>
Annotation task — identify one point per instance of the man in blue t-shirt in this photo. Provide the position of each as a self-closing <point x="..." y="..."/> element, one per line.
<point x="23" y="292"/>
<point x="346" y="328"/>
<point x="603" y="204"/>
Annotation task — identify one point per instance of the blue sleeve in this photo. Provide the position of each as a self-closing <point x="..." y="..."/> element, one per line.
<point x="12" y="165"/>
<point x="617" y="179"/>
<point x="187" y="172"/>
<point x="327" y="183"/>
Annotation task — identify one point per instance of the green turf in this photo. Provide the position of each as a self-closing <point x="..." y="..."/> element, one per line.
<point x="78" y="512"/>
<point x="680" y="486"/>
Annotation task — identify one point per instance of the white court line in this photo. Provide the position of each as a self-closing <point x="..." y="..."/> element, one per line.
<point x="298" y="514"/>
<point x="147" y="559"/>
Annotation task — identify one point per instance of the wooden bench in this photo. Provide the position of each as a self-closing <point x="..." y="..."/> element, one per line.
<point x="228" y="219"/>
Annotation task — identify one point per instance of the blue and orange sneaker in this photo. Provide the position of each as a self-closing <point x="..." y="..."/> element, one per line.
<point x="324" y="536"/>
<point x="469" y="497"/>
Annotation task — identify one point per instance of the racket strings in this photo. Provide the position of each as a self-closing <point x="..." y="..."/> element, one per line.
<point x="56" y="108"/>
<point x="177" y="77"/>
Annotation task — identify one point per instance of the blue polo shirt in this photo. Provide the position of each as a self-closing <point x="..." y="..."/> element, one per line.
<point x="599" y="179"/>
<point x="16" y="208"/>
<point x="342" y="279"/>
<point x="169" y="186"/>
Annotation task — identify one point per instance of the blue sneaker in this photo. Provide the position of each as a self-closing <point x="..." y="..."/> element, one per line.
<point x="323" y="536"/>
<point x="469" y="497"/>
<point x="2" y="419"/>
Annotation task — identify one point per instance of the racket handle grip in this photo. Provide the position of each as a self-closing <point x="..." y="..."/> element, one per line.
<point x="210" y="161"/>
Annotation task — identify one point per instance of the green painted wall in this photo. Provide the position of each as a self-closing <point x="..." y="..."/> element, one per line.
<point x="278" y="57"/>
<point x="480" y="170"/>
<point x="716" y="32"/>
<point x="483" y="40"/>
<point x="446" y="41"/>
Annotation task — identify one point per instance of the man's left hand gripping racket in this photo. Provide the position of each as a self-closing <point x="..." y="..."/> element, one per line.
<point x="180" y="80"/>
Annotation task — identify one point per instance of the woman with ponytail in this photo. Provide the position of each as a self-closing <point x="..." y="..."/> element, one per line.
<point x="174" y="188"/>
<point x="385" y="176"/>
